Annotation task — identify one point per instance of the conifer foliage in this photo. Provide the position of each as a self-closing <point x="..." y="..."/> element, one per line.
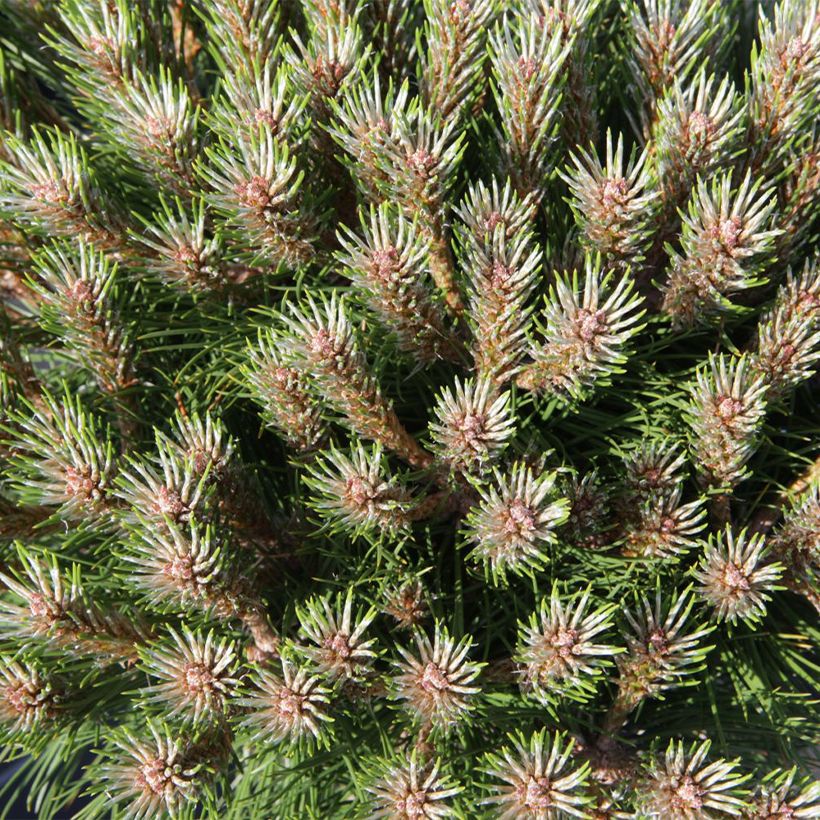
<point x="409" y="408"/>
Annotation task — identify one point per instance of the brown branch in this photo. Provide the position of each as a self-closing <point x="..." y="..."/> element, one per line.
<point x="768" y="515"/>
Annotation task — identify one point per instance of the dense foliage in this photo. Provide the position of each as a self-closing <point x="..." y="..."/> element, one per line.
<point x="408" y="408"/>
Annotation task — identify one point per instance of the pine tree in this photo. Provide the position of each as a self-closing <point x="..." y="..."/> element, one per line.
<point x="409" y="408"/>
